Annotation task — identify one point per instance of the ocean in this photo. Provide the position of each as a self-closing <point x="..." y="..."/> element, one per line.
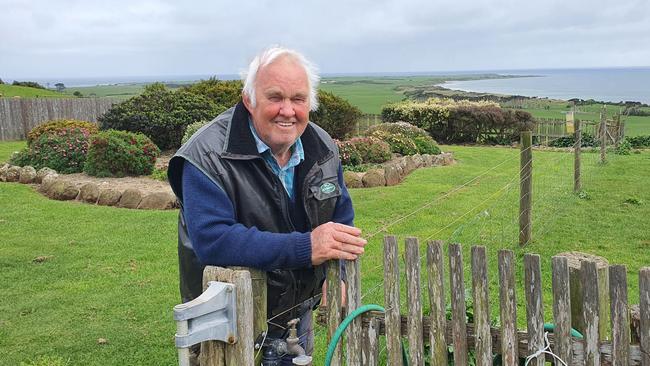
<point x="605" y="84"/>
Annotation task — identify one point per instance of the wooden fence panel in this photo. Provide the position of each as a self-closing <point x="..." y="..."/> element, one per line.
<point x="19" y="115"/>
<point x="589" y="275"/>
<point x="437" y="342"/>
<point x="561" y="308"/>
<point x="508" y="306"/>
<point x="619" y="315"/>
<point x="414" y="298"/>
<point x="391" y="301"/>
<point x="334" y="305"/>
<point x="370" y="351"/>
<point x="458" y="308"/>
<point x="480" y="290"/>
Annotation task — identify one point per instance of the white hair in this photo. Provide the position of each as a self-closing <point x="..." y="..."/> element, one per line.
<point x="271" y="54"/>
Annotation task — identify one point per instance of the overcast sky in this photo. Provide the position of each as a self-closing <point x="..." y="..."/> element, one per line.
<point x="87" y="38"/>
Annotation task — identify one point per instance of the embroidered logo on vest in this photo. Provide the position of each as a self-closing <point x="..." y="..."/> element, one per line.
<point x="327" y="188"/>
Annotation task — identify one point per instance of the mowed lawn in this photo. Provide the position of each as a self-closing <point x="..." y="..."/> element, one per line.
<point x="74" y="273"/>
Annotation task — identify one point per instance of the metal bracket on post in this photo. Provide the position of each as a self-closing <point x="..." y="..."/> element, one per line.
<point x="211" y="316"/>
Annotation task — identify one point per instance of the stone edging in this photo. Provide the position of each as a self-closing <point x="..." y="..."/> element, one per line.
<point x="57" y="187"/>
<point x="394" y="171"/>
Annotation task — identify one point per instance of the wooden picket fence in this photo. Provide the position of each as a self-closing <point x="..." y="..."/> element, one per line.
<point x="486" y="342"/>
<point x="546" y="130"/>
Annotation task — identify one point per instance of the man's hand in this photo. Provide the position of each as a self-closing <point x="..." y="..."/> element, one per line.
<point x="335" y="241"/>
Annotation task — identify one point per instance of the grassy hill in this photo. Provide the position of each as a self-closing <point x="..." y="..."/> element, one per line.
<point x="27" y="92"/>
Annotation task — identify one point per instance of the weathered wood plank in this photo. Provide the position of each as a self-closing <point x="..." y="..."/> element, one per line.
<point x="391" y="301"/>
<point x="334" y="305"/>
<point x="562" y="307"/>
<point x="480" y="290"/>
<point x="577" y="149"/>
<point x="435" y="271"/>
<point x="619" y="315"/>
<point x="260" y="316"/>
<point x="242" y="352"/>
<point x="414" y="299"/>
<point x="589" y="275"/>
<point x="508" y="306"/>
<point x="534" y="306"/>
<point x="370" y="351"/>
<point x="458" y="308"/>
<point x="644" y="309"/>
<point x="213" y="353"/>
<point x="353" y="289"/>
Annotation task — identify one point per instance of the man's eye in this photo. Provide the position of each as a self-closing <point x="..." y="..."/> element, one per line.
<point x="275" y="98"/>
<point x="298" y="100"/>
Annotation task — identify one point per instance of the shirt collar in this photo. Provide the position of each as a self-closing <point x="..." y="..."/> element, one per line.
<point x="297" y="151"/>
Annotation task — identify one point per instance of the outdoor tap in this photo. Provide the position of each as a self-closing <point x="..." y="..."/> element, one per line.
<point x="293" y="345"/>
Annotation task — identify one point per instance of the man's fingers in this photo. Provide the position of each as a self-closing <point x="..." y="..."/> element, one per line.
<point x="348" y="229"/>
<point x="348" y="239"/>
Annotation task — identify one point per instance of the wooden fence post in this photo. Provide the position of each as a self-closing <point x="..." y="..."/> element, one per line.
<point x="603" y="136"/>
<point x="591" y="313"/>
<point x="644" y="310"/>
<point x="619" y="315"/>
<point x="577" y="184"/>
<point x="458" y="308"/>
<point x="534" y="306"/>
<point x="526" y="188"/>
<point x="437" y="341"/>
<point x="414" y="300"/>
<point x="480" y="291"/>
<point x="391" y="301"/>
<point x="354" y="338"/>
<point x="508" y="307"/>
<point x="334" y="305"/>
<point x="562" y="308"/>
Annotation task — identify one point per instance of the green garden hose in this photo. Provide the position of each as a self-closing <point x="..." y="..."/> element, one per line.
<point x="550" y="327"/>
<point x="344" y="325"/>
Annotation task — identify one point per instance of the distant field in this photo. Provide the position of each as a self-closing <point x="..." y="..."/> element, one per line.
<point x="27" y="92"/>
<point x="117" y="91"/>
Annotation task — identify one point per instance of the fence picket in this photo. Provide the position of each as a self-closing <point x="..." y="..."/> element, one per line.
<point x="561" y="308"/>
<point x="438" y="344"/>
<point x="508" y="306"/>
<point x="353" y="302"/>
<point x="534" y="306"/>
<point x="458" y="309"/>
<point x="391" y="301"/>
<point x="370" y="351"/>
<point x="334" y="305"/>
<point x="589" y="276"/>
<point x="619" y="315"/>
<point x="644" y="307"/>
<point x="413" y="298"/>
<point x="483" y="343"/>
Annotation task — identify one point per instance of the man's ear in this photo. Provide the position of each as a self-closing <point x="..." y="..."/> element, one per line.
<point x="247" y="102"/>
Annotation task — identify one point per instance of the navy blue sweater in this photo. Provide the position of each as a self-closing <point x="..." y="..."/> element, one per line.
<point x="217" y="239"/>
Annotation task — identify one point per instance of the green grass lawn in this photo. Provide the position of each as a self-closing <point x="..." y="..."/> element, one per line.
<point x="112" y="273"/>
<point x="7" y="90"/>
<point x="9" y="147"/>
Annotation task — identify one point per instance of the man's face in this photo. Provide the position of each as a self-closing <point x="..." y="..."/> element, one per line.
<point x="281" y="113"/>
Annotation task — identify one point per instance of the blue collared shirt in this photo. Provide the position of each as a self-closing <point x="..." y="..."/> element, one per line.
<point x="285" y="173"/>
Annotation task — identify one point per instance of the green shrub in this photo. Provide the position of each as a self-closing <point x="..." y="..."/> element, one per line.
<point x="335" y="115"/>
<point x="348" y="153"/>
<point x="225" y="93"/>
<point x="29" y="84"/>
<point x="623" y="148"/>
<point x="63" y="150"/>
<point x="372" y="150"/>
<point x="191" y="130"/>
<point x="115" y="153"/>
<point x="59" y="125"/>
<point x="426" y="145"/>
<point x="587" y="140"/>
<point x="402" y="128"/>
<point x="161" y="114"/>
<point x="639" y="142"/>
<point x="397" y="142"/>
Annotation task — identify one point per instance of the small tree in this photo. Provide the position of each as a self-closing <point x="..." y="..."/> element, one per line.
<point x="59" y="87"/>
<point x="222" y="92"/>
<point x="78" y="94"/>
<point x="335" y="115"/>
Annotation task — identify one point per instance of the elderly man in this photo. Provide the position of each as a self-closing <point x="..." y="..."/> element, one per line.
<point x="261" y="186"/>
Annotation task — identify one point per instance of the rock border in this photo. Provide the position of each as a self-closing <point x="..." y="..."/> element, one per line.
<point x="393" y="172"/>
<point x="56" y="187"/>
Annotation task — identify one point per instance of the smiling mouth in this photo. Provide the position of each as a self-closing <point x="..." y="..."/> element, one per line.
<point x="285" y="124"/>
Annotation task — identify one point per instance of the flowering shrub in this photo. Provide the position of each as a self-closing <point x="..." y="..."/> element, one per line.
<point x="371" y="149"/>
<point x="398" y="143"/>
<point x="348" y="153"/>
<point x="120" y="153"/>
<point x="58" y="125"/>
<point x="404" y="138"/>
<point x="426" y="145"/>
<point x="63" y="150"/>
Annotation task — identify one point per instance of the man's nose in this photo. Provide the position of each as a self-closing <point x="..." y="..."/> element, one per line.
<point x="286" y="109"/>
